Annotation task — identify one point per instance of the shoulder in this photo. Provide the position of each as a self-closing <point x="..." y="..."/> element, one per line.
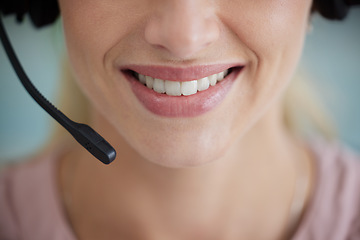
<point x="333" y="150"/>
<point x="336" y="163"/>
<point x="338" y="171"/>
<point x="334" y="209"/>
<point x="8" y="225"/>
<point x="29" y="202"/>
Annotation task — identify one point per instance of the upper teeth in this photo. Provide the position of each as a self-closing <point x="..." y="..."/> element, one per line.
<point x="175" y="88"/>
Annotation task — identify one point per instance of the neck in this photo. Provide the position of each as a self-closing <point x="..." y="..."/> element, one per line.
<point x="199" y="201"/>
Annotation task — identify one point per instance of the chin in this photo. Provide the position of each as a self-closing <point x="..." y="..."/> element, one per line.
<point x="189" y="162"/>
<point x="184" y="157"/>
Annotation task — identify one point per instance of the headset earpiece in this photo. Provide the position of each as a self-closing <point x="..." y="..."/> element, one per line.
<point x="42" y="12"/>
<point x="334" y="9"/>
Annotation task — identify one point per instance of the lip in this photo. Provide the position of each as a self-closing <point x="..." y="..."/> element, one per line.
<point x="181" y="106"/>
<point x="179" y="74"/>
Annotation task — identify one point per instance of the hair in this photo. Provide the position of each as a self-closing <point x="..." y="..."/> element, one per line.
<point x="305" y="115"/>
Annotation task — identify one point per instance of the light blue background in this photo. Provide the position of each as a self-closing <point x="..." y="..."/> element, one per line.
<point x="331" y="56"/>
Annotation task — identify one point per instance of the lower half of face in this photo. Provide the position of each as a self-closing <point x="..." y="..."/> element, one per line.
<point x="182" y="80"/>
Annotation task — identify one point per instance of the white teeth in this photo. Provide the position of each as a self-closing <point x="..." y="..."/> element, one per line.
<point x="173" y="88"/>
<point x="186" y="88"/>
<point x="203" y="84"/>
<point x="220" y="76"/>
<point x="142" y="78"/>
<point x="159" y="85"/>
<point x="213" y="79"/>
<point x="149" y="81"/>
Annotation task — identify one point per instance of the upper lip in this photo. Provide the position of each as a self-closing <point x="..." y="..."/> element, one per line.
<point x="180" y="74"/>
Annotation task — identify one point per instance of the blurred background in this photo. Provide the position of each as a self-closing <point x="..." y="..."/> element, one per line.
<point x="331" y="57"/>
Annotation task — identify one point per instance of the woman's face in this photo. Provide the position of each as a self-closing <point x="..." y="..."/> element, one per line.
<point x="182" y="80"/>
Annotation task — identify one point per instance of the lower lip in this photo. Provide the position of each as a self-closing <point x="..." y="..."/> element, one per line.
<point x="183" y="106"/>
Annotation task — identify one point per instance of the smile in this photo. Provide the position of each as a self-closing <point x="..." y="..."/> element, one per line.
<point x="177" y="88"/>
<point x="181" y="92"/>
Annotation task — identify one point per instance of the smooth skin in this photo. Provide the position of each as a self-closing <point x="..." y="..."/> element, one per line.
<point x="227" y="174"/>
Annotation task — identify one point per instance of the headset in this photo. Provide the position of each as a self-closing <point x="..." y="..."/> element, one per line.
<point x="45" y="12"/>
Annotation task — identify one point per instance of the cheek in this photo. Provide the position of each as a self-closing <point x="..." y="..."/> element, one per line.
<point x="92" y="30"/>
<point x="85" y="40"/>
<point x="267" y="26"/>
<point x="272" y="31"/>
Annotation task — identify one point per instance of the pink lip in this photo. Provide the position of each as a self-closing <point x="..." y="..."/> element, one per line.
<point x="181" y="106"/>
<point x="179" y="74"/>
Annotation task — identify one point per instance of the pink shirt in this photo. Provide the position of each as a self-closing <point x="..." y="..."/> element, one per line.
<point x="30" y="207"/>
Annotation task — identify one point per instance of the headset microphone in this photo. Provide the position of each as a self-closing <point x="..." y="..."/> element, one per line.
<point x="84" y="134"/>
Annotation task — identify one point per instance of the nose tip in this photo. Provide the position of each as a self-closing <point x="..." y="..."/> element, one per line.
<point x="182" y="32"/>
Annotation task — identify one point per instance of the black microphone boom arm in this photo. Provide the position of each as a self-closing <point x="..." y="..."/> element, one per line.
<point x="84" y="134"/>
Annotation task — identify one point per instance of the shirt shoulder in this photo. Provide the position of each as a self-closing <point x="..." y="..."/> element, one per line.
<point x="334" y="209"/>
<point x="8" y="222"/>
<point x="30" y="204"/>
